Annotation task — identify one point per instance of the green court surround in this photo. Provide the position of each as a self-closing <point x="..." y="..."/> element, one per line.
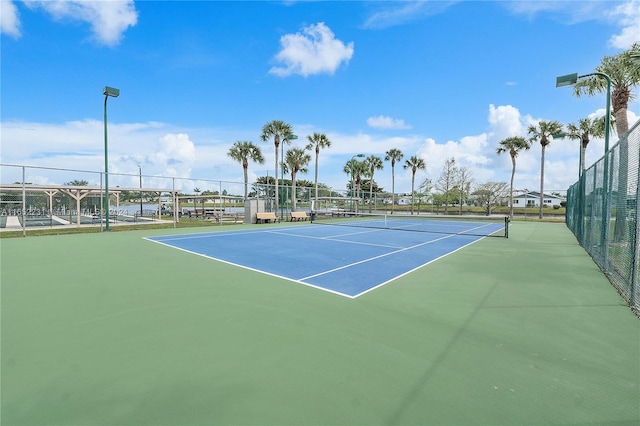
<point x="108" y="329"/>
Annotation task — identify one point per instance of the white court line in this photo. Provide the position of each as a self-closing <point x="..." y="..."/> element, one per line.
<point x="376" y="257"/>
<point x="327" y="238"/>
<point x="416" y="268"/>
<point x="335" y="238"/>
<point x="411" y="227"/>
<point x="251" y="269"/>
<point x="211" y="234"/>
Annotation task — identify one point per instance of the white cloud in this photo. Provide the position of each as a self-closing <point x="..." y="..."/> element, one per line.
<point x="628" y="15"/>
<point x="505" y="121"/>
<point x="624" y="14"/>
<point x="383" y="122"/>
<point x="572" y="12"/>
<point x="314" y="51"/>
<point x="174" y="155"/>
<point x="189" y="158"/>
<point x="471" y="152"/>
<point x="9" y="19"/>
<point x="389" y="14"/>
<point x="108" y="19"/>
<point x="478" y="154"/>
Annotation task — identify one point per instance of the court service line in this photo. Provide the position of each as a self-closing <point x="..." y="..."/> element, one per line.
<point x="335" y="238"/>
<point x="376" y="257"/>
<point x="251" y="269"/>
<point x="417" y="267"/>
<point x="343" y="234"/>
<point x="212" y="234"/>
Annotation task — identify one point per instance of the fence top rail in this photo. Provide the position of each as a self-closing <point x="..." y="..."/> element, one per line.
<point x="18" y="186"/>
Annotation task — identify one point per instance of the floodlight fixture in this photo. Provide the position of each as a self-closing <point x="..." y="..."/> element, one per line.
<point x="567" y="80"/>
<point x="111" y="91"/>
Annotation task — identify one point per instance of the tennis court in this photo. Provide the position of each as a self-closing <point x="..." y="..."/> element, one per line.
<point x="113" y="329"/>
<point x="349" y="260"/>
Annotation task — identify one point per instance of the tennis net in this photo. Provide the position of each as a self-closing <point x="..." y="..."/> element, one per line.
<point x="483" y="226"/>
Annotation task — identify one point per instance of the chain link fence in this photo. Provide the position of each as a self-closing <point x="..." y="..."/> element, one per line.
<point x="602" y="212"/>
<point x="32" y="198"/>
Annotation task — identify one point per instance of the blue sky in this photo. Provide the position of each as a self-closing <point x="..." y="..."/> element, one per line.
<point x="436" y="79"/>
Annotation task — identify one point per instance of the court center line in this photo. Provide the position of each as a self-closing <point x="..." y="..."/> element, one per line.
<point x="336" y="239"/>
<point x="375" y="257"/>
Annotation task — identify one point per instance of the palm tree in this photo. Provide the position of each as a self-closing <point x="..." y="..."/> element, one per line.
<point x="624" y="73"/>
<point x="372" y="163"/>
<point x="544" y="131"/>
<point x="277" y="130"/>
<point x="295" y="161"/>
<point x="317" y="141"/>
<point x="414" y="163"/>
<point x="582" y="131"/>
<point x="513" y="145"/>
<point x="242" y="152"/>
<point x="635" y="57"/>
<point x="394" y="155"/>
<point x="356" y="169"/>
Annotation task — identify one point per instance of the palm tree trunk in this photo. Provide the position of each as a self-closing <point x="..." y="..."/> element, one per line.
<point x="317" y="154"/>
<point x="393" y="187"/>
<point x="246" y="181"/>
<point x="620" y="229"/>
<point x="277" y="192"/>
<point x="370" y="192"/>
<point x="541" y="182"/>
<point x="413" y="178"/>
<point x="583" y="149"/>
<point x="293" y="192"/>
<point x="513" y="172"/>
<point x="620" y="104"/>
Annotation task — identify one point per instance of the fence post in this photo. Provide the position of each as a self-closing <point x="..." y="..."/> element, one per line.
<point x="606" y="210"/>
<point x="101" y="202"/>
<point x="594" y="198"/>
<point x="633" y="297"/>
<point x="175" y="202"/>
<point x="24" y="202"/>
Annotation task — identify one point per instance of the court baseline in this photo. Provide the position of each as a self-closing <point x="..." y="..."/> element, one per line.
<point x="339" y="260"/>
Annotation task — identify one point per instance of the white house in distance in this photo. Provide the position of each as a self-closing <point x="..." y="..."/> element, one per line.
<point x="532" y="199"/>
<point x="405" y="199"/>
<point x="528" y="199"/>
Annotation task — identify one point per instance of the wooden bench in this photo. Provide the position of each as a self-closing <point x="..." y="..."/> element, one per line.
<point x="225" y="217"/>
<point x="206" y="213"/>
<point x="265" y="217"/>
<point x="298" y="216"/>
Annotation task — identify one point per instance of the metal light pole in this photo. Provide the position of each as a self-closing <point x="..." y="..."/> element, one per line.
<point x="140" y="171"/>
<point x="288" y="137"/>
<point x="108" y="91"/>
<point x="352" y="182"/>
<point x="570" y="80"/>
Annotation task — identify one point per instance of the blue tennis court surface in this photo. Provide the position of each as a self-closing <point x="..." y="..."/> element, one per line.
<point x="348" y="261"/>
